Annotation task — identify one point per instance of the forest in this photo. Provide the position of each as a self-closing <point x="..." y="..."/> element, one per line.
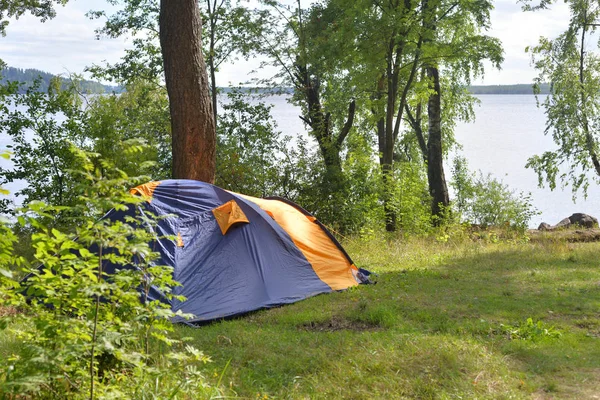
<point x="28" y="77"/>
<point x="468" y="302"/>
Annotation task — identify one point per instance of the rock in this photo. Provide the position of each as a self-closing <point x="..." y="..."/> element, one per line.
<point x="563" y="223"/>
<point x="583" y="220"/>
<point x="580" y="219"/>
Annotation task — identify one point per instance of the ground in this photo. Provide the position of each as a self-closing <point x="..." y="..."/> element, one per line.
<point x="490" y="318"/>
<point x="453" y="316"/>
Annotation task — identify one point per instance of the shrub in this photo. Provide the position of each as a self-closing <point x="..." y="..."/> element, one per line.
<point x="83" y="333"/>
<point x="487" y="201"/>
<point x="410" y="198"/>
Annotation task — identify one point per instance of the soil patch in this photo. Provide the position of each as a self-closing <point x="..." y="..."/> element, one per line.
<point x="339" y="324"/>
<point x="8" y="311"/>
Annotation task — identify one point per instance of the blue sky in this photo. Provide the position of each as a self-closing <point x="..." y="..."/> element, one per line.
<point x="68" y="43"/>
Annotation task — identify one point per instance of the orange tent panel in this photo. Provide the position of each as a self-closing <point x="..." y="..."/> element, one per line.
<point x="329" y="263"/>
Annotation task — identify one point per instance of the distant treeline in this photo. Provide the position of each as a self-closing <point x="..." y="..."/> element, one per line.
<point x="29" y="76"/>
<point x="508" y="89"/>
<point x="257" y="90"/>
<point x="489" y="89"/>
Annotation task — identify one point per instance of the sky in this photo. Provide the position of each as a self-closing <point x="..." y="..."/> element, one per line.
<point x="67" y="44"/>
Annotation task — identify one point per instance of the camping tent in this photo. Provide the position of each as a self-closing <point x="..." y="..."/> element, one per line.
<point x="234" y="253"/>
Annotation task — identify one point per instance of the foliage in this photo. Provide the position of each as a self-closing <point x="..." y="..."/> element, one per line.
<point x="352" y="204"/>
<point x="9" y="261"/>
<point x="250" y="152"/>
<point x="42" y="127"/>
<point x="533" y="331"/>
<point x="42" y="9"/>
<point x="295" y="40"/>
<point x="253" y="158"/>
<point x="359" y="207"/>
<point x="230" y="30"/>
<point x="140" y="114"/>
<point x="410" y="198"/>
<point x="83" y="332"/>
<point x="486" y="201"/>
<point x="572" y="107"/>
<point x="375" y="51"/>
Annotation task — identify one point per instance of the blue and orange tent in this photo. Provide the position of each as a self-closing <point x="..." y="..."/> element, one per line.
<point x="235" y="253"/>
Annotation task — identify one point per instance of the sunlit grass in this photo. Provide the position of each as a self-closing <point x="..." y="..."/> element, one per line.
<point x="436" y="325"/>
<point x="447" y="319"/>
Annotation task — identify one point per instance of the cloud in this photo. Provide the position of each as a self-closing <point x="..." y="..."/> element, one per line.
<point x="66" y="43"/>
<point x="517" y="30"/>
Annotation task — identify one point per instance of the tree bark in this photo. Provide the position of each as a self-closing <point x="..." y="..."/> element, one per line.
<point x="435" y="168"/>
<point x="211" y="58"/>
<point x="192" y="121"/>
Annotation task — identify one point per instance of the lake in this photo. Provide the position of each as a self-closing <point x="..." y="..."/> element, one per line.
<point x="507" y="131"/>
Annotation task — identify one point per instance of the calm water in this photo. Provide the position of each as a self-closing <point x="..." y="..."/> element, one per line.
<point x="508" y="130"/>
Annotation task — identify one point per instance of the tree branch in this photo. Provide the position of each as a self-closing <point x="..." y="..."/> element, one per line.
<point x="305" y="120"/>
<point x="348" y="125"/>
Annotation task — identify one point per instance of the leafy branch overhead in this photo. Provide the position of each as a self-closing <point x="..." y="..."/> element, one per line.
<point x="573" y="69"/>
<point x="13" y="9"/>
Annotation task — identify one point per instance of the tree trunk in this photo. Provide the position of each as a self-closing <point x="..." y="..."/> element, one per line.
<point x="192" y="121"/>
<point x="330" y="145"/>
<point x="388" y="140"/>
<point x="435" y="168"/>
<point x="211" y="60"/>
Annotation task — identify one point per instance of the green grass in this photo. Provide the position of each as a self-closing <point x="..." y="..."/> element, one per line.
<point x="444" y="321"/>
<point x="455" y="320"/>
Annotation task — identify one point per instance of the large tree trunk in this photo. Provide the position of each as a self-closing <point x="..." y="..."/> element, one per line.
<point x="192" y="121"/>
<point x="435" y="168"/>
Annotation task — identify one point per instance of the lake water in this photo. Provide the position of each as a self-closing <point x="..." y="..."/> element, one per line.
<point x="507" y="131"/>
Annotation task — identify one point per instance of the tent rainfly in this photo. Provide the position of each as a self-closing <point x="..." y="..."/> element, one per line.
<point x="235" y="253"/>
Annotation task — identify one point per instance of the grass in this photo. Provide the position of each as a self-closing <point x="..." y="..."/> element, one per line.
<point x="445" y="321"/>
<point x="454" y="320"/>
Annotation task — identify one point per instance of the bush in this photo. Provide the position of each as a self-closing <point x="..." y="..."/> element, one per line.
<point x="487" y="201"/>
<point x="410" y="198"/>
<point x="83" y="333"/>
